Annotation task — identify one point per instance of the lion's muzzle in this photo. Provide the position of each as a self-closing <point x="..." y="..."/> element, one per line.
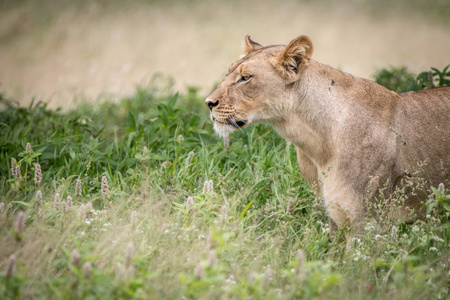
<point x="211" y="104"/>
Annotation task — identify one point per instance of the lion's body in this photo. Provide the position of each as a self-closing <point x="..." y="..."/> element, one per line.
<point x="356" y="140"/>
<point x="375" y="139"/>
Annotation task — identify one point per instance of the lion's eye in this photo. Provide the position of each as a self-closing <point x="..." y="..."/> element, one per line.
<point x="244" y="77"/>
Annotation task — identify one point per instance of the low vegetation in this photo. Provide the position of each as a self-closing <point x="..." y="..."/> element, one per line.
<point x="138" y="199"/>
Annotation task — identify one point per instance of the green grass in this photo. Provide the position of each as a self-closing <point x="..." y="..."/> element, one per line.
<point x="237" y="240"/>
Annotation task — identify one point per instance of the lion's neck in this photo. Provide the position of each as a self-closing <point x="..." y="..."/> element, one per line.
<point x="305" y="136"/>
<point x="315" y="111"/>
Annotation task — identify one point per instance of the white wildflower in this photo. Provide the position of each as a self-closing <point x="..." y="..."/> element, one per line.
<point x="105" y="186"/>
<point x="37" y="174"/>
<point x="28" y="149"/>
<point x="128" y="254"/>
<point x="133" y="217"/>
<point x="199" y="272"/>
<point x="13" y="168"/>
<point x="394" y="233"/>
<point x="300" y="260"/>
<point x="441" y="188"/>
<point x="38" y="198"/>
<point x="369" y="227"/>
<point x="19" y="222"/>
<point x="189" y="158"/>
<point x="57" y="201"/>
<point x="75" y="257"/>
<point x="356" y="240"/>
<point x="82" y="211"/>
<point x="10" y="268"/>
<point x="437" y="239"/>
<point x="224" y="212"/>
<point x="87" y="270"/>
<point x="230" y="280"/>
<point x="166" y="164"/>
<point x="208" y="187"/>
<point x="189" y="203"/>
<point x="78" y="188"/>
<point x="17" y="173"/>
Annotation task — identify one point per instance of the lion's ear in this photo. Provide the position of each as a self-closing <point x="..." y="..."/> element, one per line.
<point x="250" y="45"/>
<point x="298" y="52"/>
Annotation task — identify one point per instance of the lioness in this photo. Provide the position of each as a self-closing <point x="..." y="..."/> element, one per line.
<point x="356" y="140"/>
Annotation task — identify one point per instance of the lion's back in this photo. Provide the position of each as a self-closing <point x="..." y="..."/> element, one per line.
<point x="422" y="123"/>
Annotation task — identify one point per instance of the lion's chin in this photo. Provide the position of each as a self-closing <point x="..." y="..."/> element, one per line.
<point x="223" y="130"/>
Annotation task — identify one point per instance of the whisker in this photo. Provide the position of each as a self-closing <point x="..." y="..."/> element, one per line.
<point x="233" y="123"/>
<point x="240" y="117"/>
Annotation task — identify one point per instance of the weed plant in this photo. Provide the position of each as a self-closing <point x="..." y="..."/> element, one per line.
<point x="400" y="80"/>
<point x="139" y="200"/>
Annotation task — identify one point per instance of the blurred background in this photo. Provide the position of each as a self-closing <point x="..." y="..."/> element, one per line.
<point x="58" y="51"/>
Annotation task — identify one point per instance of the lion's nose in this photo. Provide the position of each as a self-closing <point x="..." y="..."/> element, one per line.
<point x="211" y="104"/>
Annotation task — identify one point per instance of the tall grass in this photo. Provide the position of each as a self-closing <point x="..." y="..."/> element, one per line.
<point x="159" y="210"/>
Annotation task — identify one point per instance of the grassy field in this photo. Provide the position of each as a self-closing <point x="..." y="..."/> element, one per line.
<point x="138" y="200"/>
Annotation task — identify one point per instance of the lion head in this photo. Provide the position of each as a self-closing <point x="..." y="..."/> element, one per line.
<point x="258" y="87"/>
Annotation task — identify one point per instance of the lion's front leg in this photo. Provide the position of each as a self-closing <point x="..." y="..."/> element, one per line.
<point x="308" y="170"/>
<point x="345" y="208"/>
<point x="343" y="204"/>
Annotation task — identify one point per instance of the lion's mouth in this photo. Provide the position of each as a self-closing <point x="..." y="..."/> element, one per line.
<point x="231" y="122"/>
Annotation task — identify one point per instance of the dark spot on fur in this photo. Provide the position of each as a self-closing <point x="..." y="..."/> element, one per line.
<point x="332" y="82"/>
<point x="289" y="85"/>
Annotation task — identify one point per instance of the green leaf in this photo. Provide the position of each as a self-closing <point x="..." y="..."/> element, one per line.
<point x="173" y="100"/>
<point x="99" y="132"/>
<point x="26" y="204"/>
<point x="157" y="157"/>
<point x="380" y="263"/>
<point x="445" y="226"/>
<point x="436" y="192"/>
<point x="247" y="207"/>
<point x="131" y="121"/>
<point x="162" y="109"/>
<point x="436" y="70"/>
<point x="447" y="206"/>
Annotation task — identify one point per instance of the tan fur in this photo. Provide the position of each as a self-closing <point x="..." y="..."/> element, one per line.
<point x="356" y="140"/>
<point x="250" y="45"/>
